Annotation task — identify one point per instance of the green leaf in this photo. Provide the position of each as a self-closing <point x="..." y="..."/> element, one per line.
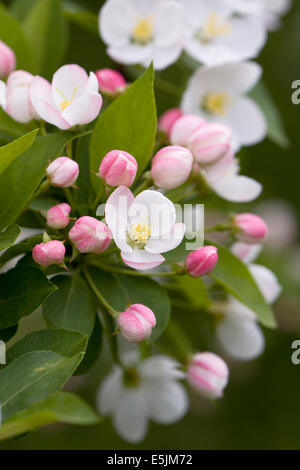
<point x="32" y="378"/>
<point x="25" y="246"/>
<point x="195" y="290"/>
<point x="237" y="280"/>
<point x="276" y="130"/>
<point x="11" y="33"/>
<point x="128" y="124"/>
<point x="62" y="407"/>
<point x="20" y="180"/>
<point x="9" y="236"/>
<point x="120" y="291"/>
<point x="64" y="342"/>
<point x="93" y="349"/>
<point x="45" y="29"/>
<point x="86" y="194"/>
<point x="12" y="128"/>
<point x="22" y="290"/>
<point x="8" y="333"/>
<point x="14" y="149"/>
<point x="21" y="8"/>
<point x="72" y="306"/>
<point x="84" y="19"/>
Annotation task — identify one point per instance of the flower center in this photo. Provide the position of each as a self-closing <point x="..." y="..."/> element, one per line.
<point x="65" y="103"/>
<point x="139" y="234"/>
<point x="213" y="28"/>
<point x="217" y="103"/>
<point x="143" y="31"/>
<point x="131" y="378"/>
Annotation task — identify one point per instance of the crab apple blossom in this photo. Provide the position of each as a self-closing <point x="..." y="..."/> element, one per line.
<point x="208" y="374"/>
<point x="210" y="143"/>
<point x="144" y="391"/>
<point x="58" y="216"/>
<point x="118" y="168"/>
<point x="89" y="235"/>
<point x="184" y="128"/>
<point x="46" y="254"/>
<point x="238" y="332"/>
<point x="249" y="228"/>
<point x="171" y="167"/>
<point x="224" y="179"/>
<point x="7" y="60"/>
<point x="143" y="227"/>
<point x="146" y="31"/>
<point x="215" y="35"/>
<point x="71" y="99"/>
<point x="168" y="119"/>
<point x="15" y="97"/>
<point x="111" y="82"/>
<point x="62" y="172"/>
<point x="202" y="261"/>
<point x="136" y="323"/>
<point x="218" y="94"/>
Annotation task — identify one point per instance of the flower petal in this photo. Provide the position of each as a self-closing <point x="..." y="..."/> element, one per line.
<point x="247" y="122"/>
<point x="131" y="54"/>
<point x="141" y="259"/>
<point x="162" y="57"/>
<point x="116" y="215"/>
<point x="130" y="416"/>
<point x="237" y="188"/>
<point x="245" y="252"/>
<point x="2" y="94"/>
<point x="92" y="84"/>
<point x="69" y="82"/>
<point x="168" y="23"/>
<point x="116" y="28"/>
<point x="267" y="282"/>
<point x="83" y="110"/>
<point x="110" y="392"/>
<point x="161" y="367"/>
<point x="17" y="104"/>
<point x="167" y="401"/>
<point x="168" y="242"/>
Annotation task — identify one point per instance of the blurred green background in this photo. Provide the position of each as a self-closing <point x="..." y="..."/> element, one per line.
<point x="261" y="408"/>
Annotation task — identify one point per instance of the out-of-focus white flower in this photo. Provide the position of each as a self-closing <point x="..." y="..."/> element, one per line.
<point x="224" y="179"/>
<point x="266" y="11"/>
<point x="148" y="391"/>
<point x="216" y="35"/>
<point x="143" y="227"/>
<point x="15" y="96"/>
<point x="281" y="219"/>
<point x="238" y="332"/>
<point x="138" y="32"/>
<point x="218" y="94"/>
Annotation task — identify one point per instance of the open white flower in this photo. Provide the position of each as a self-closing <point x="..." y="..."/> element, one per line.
<point x="224" y="179"/>
<point x="143" y="227"/>
<point x="218" y="94"/>
<point x="238" y="332"/>
<point x="138" y="32"/>
<point x="148" y="391"/>
<point x="216" y="35"/>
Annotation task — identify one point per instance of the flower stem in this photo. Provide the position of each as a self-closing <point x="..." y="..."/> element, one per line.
<point x="115" y="269"/>
<point x="218" y="228"/>
<point x="98" y="294"/>
<point x="43" y="128"/>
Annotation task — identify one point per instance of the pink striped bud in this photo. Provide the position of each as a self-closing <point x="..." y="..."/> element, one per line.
<point x="118" y="168"/>
<point x="210" y="143"/>
<point x="171" y="167"/>
<point x="136" y="323"/>
<point x="89" y="235"/>
<point x="184" y="128"/>
<point x="249" y="228"/>
<point x="208" y="374"/>
<point x="111" y="82"/>
<point x="168" y="119"/>
<point x="63" y="172"/>
<point x="58" y="216"/>
<point x="202" y="261"/>
<point x="52" y="252"/>
<point x="7" y="60"/>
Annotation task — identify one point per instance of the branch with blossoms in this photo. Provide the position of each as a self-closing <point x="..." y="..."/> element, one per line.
<point x="116" y="199"/>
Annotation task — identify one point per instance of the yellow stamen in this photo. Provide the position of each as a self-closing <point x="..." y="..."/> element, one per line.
<point x="143" y="30"/>
<point x="65" y="103"/>
<point x="215" y="27"/>
<point x="140" y="232"/>
<point x="217" y="103"/>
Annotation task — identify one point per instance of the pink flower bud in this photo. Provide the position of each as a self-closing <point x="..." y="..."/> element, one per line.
<point x="111" y="81"/>
<point x="249" y="228"/>
<point x="7" y="60"/>
<point x="208" y="374"/>
<point x="210" y="143"/>
<point x="171" y="167"/>
<point x="118" y="168"/>
<point x="58" y="216"/>
<point x="184" y="128"/>
<point x="136" y="323"/>
<point x="89" y="235"/>
<point x="168" y="119"/>
<point x="63" y="172"/>
<point x="202" y="261"/>
<point x="52" y="252"/>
